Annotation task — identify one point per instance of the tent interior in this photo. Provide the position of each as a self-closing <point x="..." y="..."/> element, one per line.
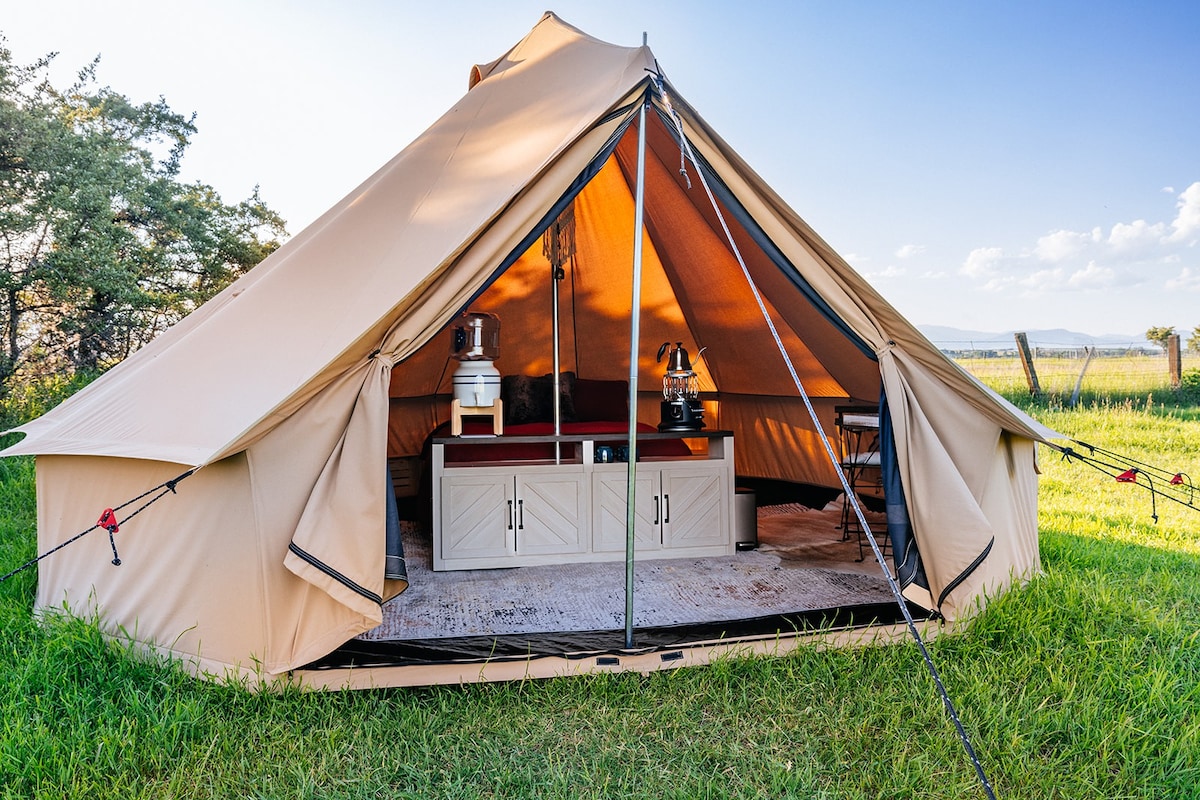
<point x="693" y="291"/>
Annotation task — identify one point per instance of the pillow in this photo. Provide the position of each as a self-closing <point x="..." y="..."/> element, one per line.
<point x="601" y="401"/>
<point x="528" y="399"/>
<point x="520" y="404"/>
<point x="566" y="393"/>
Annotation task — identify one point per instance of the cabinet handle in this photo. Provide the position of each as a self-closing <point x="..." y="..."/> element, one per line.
<point x="667" y="515"/>
<point x="520" y="515"/>
<point x="510" y="515"/>
<point x="656" y="507"/>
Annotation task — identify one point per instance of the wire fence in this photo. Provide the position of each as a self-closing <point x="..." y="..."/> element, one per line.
<point x="1136" y="370"/>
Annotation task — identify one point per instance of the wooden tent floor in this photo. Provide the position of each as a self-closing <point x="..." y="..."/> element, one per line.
<point x="801" y="564"/>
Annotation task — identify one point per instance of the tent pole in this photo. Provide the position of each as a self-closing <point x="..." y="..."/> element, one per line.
<point x="558" y="245"/>
<point x="554" y="270"/>
<point x="635" y="315"/>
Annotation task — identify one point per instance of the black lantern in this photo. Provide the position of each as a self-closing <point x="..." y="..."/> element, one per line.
<point x="681" y="408"/>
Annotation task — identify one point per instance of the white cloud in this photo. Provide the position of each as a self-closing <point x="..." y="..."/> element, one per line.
<point x="1129" y="254"/>
<point x="1185" y="281"/>
<point x="1092" y="277"/>
<point x="892" y="271"/>
<point x="982" y="262"/>
<point x="1058" y="280"/>
<point x="910" y="250"/>
<point x="1187" y="221"/>
<point x="1043" y="280"/>
<point x="1169" y="189"/>
<point x="1139" y="236"/>
<point x="1064" y="245"/>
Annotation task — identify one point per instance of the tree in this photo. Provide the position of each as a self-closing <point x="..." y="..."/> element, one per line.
<point x="1159" y="336"/>
<point x="101" y="245"/>
<point x="1194" y="341"/>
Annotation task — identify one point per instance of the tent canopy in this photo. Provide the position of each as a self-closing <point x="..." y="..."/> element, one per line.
<point x="292" y="386"/>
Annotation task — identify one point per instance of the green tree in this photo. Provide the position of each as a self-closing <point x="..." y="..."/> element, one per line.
<point x="101" y="245"/>
<point x="1194" y="341"/>
<point x="1159" y="336"/>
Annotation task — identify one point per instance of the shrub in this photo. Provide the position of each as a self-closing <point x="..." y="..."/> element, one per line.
<point x="1189" y="384"/>
<point x="32" y="399"/>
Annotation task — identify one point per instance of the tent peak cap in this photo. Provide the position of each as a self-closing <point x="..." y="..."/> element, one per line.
<point x="551" y="32"/>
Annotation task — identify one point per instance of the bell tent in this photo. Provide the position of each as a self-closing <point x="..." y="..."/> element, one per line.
<point x="267" y="417"/>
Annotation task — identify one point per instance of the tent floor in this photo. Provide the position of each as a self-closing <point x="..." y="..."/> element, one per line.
<point x="803" y="576"/>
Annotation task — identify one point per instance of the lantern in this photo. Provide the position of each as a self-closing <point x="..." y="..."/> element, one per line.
<point x="681" y="408"/>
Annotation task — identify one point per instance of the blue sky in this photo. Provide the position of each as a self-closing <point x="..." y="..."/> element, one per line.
<point x="987" y="165"/>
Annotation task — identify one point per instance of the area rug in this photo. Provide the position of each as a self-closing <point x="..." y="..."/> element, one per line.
<point x="812" y="537"/>
<point x="586" y="597"/>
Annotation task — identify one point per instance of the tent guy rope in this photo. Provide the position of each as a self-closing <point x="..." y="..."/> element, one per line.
<point x="850" y="495"/>
<point x="109" y="522"/>
<point x="1173" y="485"/>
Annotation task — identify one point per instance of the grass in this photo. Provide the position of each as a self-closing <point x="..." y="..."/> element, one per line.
<point x="1107" y="378"/>
<point x="1084" y="684"/>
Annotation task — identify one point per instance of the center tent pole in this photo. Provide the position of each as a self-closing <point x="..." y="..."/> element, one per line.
<point x="635" y="317"/>
<point x="555" y="269"/>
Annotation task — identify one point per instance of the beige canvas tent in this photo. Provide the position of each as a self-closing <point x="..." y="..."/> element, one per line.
<point x="290" y="390"/>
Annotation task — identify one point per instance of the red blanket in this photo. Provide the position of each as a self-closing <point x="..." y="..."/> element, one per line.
<point x="473" y="452"/>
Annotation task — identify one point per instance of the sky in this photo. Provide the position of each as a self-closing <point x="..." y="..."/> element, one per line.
<point x="990" y="166"/>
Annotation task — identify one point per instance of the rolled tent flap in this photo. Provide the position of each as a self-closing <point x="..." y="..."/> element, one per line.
<point x="951" y="528"/>
<point x="395" y="569"/>
<point x="329" y="548"/>
<point x="905" y="554"/>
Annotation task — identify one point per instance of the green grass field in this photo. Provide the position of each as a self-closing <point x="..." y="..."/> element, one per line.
<point x="1083" y="684"/>
<point x="1103" y="378"/>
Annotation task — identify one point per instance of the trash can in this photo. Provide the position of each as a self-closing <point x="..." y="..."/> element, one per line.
<point x="745" y="519"/>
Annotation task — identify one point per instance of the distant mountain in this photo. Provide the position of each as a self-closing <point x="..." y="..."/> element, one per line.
<point x="947" y="338"/>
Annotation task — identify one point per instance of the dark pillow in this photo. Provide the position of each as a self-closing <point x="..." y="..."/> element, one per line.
<point x="529" y="399"/>
<point x="566" y="391"/>
<point x="520" y="400"/>
<point x="601" y="401"/>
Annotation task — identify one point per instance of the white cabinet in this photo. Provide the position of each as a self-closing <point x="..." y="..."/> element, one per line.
<point x="551" y="512"/>
<point x="476" y="517"/>
<point x="682" y="507"/>
<point x="697" y="504"/>
<point x="610" y="484"/>
<point x="487" y="517"/>
<point x="524" y="513"/>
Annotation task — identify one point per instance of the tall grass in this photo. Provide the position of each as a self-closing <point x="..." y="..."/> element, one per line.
<point x="1083" y="684"/>
<point x="1106" y="378"/>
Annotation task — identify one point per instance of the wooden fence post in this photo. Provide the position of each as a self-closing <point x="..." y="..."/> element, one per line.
<point x="1174" y="361"/>
<point x="1027" y="363"/>
<point x="1091" y="351"/>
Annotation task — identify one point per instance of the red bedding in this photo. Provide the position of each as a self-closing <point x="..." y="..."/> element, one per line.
<point x="472" y="452"/>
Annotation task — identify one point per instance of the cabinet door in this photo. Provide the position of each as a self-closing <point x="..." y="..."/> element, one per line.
<point x="476" y="518"/>
<point x="551" y="513"/>
<point x="609" y="489"/>
<point x="695" y="506"/>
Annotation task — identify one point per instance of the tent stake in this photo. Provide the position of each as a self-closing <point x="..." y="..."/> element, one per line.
<point x="635" y="322"/>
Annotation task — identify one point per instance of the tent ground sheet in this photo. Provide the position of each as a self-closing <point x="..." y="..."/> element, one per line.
<point x="802" y="564"/>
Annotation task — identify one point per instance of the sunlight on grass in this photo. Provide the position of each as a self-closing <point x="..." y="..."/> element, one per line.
<point x="1106" y="377"/>
<point x="1078" y="499"/>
